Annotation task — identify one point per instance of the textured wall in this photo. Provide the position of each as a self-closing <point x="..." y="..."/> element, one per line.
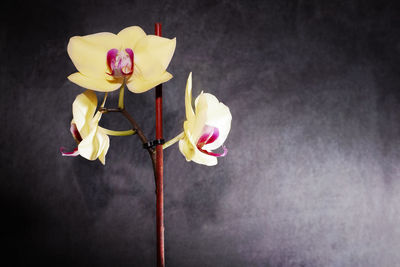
<point x="312" y="177"/>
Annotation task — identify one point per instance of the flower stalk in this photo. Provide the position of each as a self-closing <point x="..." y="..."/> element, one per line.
<point x="121" y="96"/>
<point x="117" y="133"/>
<point x="173" y="140"/>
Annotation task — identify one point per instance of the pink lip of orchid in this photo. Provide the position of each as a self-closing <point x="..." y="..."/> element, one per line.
<point x="209" y="135"/>
<point x="121" y="63"/>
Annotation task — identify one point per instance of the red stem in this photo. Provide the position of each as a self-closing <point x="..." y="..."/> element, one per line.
<point x="159" y="171"/>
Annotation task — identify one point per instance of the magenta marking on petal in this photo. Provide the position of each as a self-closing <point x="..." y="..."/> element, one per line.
<point x="209" y="135"/>
<point x="75" y="133"/>
<point x="111" y="58"/>
<point x="214" y="136"/>
<point x="130" y="53"/>
<point x="223" y="154"/>
<point x="69" y="154"/>
<point x="126" y="65"/>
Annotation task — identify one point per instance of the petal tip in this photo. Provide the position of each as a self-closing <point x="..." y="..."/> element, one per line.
<point x="74" y="153"/>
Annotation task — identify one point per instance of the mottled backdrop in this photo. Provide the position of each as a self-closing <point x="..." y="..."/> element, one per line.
<point x="312" y="177"/>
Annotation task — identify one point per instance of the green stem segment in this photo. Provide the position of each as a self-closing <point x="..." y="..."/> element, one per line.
<point x="121" y="96"/>
<point x="173" y="140"/>
<point x="117" y="133"/>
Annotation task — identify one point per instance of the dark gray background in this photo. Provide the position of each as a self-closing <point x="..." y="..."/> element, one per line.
<point x="312" y="174"/>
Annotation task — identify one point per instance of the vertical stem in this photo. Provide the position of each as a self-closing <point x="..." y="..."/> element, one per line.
<point x="159" y="171"/>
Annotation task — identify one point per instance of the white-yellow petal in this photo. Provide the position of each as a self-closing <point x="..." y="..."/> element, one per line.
<point x="188" y="148"/>
<point x="88" y="147"/>
<point x="104" y="147"/>
<point x="96" y="143"/>
<point x="83" y="109"/>
<point x="89" y="53"/>
<point x="217" y="115"/>
<point x="202" y="158"/>
<point x="131" y="36"/>
<point x="138" y="84"/>
<point x="104" y="141"/>
<point x="191" y="153"/>
<point x="102" y="157"/>
<point x="188" y="99"/>
<point x="196" y="126"/>
<point x="100" y="85"/>
<point x="152" y="56"/>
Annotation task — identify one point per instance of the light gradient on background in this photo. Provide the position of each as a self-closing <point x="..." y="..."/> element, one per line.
<point x="312" y="174"/>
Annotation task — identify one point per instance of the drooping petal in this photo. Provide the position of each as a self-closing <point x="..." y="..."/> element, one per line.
<point x="89" y="53"/>
<point x="95" y="143"/>
<point x="138" y="84"/>
<point x="89" y="146"/>
<point x="131" y="35"/>
<point x="100" y="84"/>
<point x="152" y="55"/>
<point x="102" y="139"/>
<point x="83" y="109"/>
<point x="102" y="156"/>
<point x="104" y="145"/>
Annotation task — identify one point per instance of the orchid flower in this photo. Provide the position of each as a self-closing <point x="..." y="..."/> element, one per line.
<point x="105" y="60"/>
<point x="93" y="142"/>
<point x="205" y="128"/>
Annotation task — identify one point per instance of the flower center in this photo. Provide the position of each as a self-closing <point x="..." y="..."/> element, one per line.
<point x="208" y="136"/>
<point x="120" y="62"/>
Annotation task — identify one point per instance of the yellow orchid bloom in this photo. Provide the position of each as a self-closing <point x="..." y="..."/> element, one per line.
<point x="205" y="129"/>
<point x="105" y="60"/>
<point x="92" y="140"/>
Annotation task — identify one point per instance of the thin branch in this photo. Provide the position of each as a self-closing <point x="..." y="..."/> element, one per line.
<point x="106" y="110"/>
<point x="142" y="138"/>
<point x="139" y="133"/>
<point x="173" y="140"/>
